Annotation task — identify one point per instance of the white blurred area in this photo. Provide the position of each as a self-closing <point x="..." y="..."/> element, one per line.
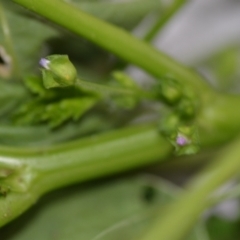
<point x="200" y="28"/>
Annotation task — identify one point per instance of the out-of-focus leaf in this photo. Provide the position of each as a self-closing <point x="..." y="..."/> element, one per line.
<point x="22" y="38"/>
<point x="11" y="95"/>
<point x="54" y="113"/>
<point x="11" y="89"/>
<point x="223" y="229"/>
<point x="124" y="13"/>
<point x="35" y="136"/>
<point x="115" y="210"/>
<point x="72" y="108"/>
<point x="34" y="84"/>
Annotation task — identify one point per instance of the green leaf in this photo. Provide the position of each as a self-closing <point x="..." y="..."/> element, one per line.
<point x="11" y="95"/>
<point x="112" y="210"/>
<point x="53" y="106"/>
<point x="54" y="113"/>
<point x="35" y="136"/>
<point x="34" y="84"/>
<point x="120" y="209"/>
<point x="22" y="39"/>
<point x="57" y="113"/>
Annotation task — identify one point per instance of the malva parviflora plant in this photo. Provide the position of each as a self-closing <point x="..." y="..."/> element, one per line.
<point x="199" y="118"/>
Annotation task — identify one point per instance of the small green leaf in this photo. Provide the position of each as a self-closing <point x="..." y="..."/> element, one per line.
<point x="54" y="113"/>
<point x="34" y="84"/>
<point x="74" y="108"/>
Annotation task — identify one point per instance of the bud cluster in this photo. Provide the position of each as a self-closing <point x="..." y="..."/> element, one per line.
<point x="177" y="126"/>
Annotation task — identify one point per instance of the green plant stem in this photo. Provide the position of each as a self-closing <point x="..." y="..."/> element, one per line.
<point x="112" y="90"/>
<point x="115" y="40"/>
<point x="35" y="172"/>
<point x="28" y="174"/>
<point x="164" y="19"/>
<point x="181" y="216"/>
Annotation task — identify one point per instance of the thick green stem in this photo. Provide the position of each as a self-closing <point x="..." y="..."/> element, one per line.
<point x="115" y="40"/>
<point x="26" y="175"/>
<point x="217" y="118"/>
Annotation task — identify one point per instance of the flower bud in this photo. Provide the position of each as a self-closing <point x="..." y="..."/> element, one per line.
<point x="170" y="91"/>
<point x="58" y="71"/>
<point x="186" y="108"/>
<point x="187" y="140"/>
<point x="124" y="80"/>
<point x="181" y="140"/>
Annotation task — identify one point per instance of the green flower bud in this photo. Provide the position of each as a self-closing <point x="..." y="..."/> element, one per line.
<point x="169" y="124"/>
<point x="184" y="138"/>
<point x="124" y="80"/>
<point x="170" y="91"/>
<point x="186" y="108"/>
<point x="58" y="71"/>
<point x="186" y="141"/>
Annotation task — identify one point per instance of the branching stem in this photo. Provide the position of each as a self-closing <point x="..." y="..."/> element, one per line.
<point x="116" y="40"/>
<point x="49" y="168"/>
